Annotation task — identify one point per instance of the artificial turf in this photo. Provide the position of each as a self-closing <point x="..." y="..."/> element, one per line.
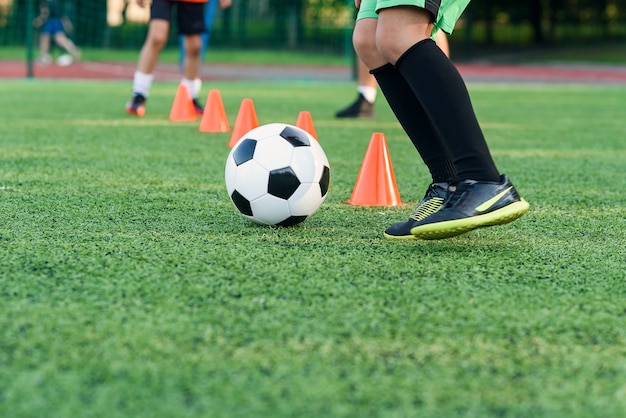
<point x="131" y="287"/>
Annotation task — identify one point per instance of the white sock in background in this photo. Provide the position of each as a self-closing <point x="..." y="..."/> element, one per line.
<point x="194" y="86"/>
<point x="368" y="92"/>
<point x="142" y="83"/>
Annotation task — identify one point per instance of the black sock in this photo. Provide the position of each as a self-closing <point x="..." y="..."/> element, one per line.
<point x="442" y="92"/>
<point x="416" y="124"/>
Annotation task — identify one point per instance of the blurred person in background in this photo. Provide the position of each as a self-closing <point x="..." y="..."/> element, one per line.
<point x="54" y="25"/>
<point x="191" y="25"/>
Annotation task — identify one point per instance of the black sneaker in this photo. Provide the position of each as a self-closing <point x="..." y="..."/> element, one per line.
<point x="361" y="108"/>
<point x="473" y="204"/>
<point x="136" y="105"/>
<point x="431" y="203"/>
<point x="198" y="107"/>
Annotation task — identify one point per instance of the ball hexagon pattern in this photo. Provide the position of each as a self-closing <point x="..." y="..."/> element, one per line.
<point x="277" y="174"/>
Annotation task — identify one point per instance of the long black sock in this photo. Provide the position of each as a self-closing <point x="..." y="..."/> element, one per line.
<point x="416" y="124"/>
<point x="442" y="92"/>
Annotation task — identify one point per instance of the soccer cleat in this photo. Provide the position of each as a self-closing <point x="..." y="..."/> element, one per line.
<point x="136" y="105"/>
<point x="473" y="204"/>
<point x="360" y="108"/>
<point x="198" y="107"/>
<point x="431" y="203"/>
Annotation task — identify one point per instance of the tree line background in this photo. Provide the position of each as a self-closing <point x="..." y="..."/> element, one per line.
<point x="325" y="25"/>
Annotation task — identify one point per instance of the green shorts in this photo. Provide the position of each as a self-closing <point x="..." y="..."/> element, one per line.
<point x="445" y="12"/>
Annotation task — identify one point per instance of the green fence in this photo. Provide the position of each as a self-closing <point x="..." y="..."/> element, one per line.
<point x="325" y="26"/>
<point x="304" y="25"/>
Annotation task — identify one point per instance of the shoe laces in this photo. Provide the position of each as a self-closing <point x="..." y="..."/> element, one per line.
<point x="430" y="204"/>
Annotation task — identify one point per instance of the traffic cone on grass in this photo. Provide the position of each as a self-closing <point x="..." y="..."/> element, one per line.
<point x="214" y="116"/>
<point x="246" y="121"/>
<point x="182" y="107"/>
<point x="376" y="182"/>
<point x="305" y="121"/>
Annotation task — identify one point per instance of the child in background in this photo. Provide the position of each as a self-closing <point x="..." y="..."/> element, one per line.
<point x="54" y="25"/>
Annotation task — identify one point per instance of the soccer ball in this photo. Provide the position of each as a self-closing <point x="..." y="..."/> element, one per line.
<point x="64" y="60"/>
<point x="277" y="174"/>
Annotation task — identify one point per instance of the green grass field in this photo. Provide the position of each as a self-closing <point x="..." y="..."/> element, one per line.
<point x="130" y="287"/>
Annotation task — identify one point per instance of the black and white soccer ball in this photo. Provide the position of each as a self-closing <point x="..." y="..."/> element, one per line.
<point x="277" y="174"/>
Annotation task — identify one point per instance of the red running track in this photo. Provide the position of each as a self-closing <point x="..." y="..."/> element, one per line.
<point x="214" y="71"/>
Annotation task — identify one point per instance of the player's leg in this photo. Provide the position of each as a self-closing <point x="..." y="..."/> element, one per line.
<point x="158" y="32"/>
<point x="66" y="43"/>
<point x="482" y="197"/>
<point x="402" y="100"/>
<point x="191" y="69"/>
<point x="367" y="88"/>
<point x="442" y="42"/>
<point x="411" y="116"/>
<point x="210" y="10"/>
<point x="403" y="37"/>
<point x="191" y="25"/>
<point x="44" y="48"/>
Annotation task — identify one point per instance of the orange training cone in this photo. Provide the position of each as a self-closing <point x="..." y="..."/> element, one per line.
<point x="305" y="121"/>
<point x="246" y="121"/>
<point x="214" y="116"/>
<point x="376" y="182"/>
<point x="182" y="108"/>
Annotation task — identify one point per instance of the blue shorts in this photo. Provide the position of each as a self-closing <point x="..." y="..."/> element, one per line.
<point x="53" y="26"/>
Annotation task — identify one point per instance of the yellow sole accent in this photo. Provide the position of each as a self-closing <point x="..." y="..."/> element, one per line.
<point x="400" y="238"/>
<point x="456" y="227"/>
